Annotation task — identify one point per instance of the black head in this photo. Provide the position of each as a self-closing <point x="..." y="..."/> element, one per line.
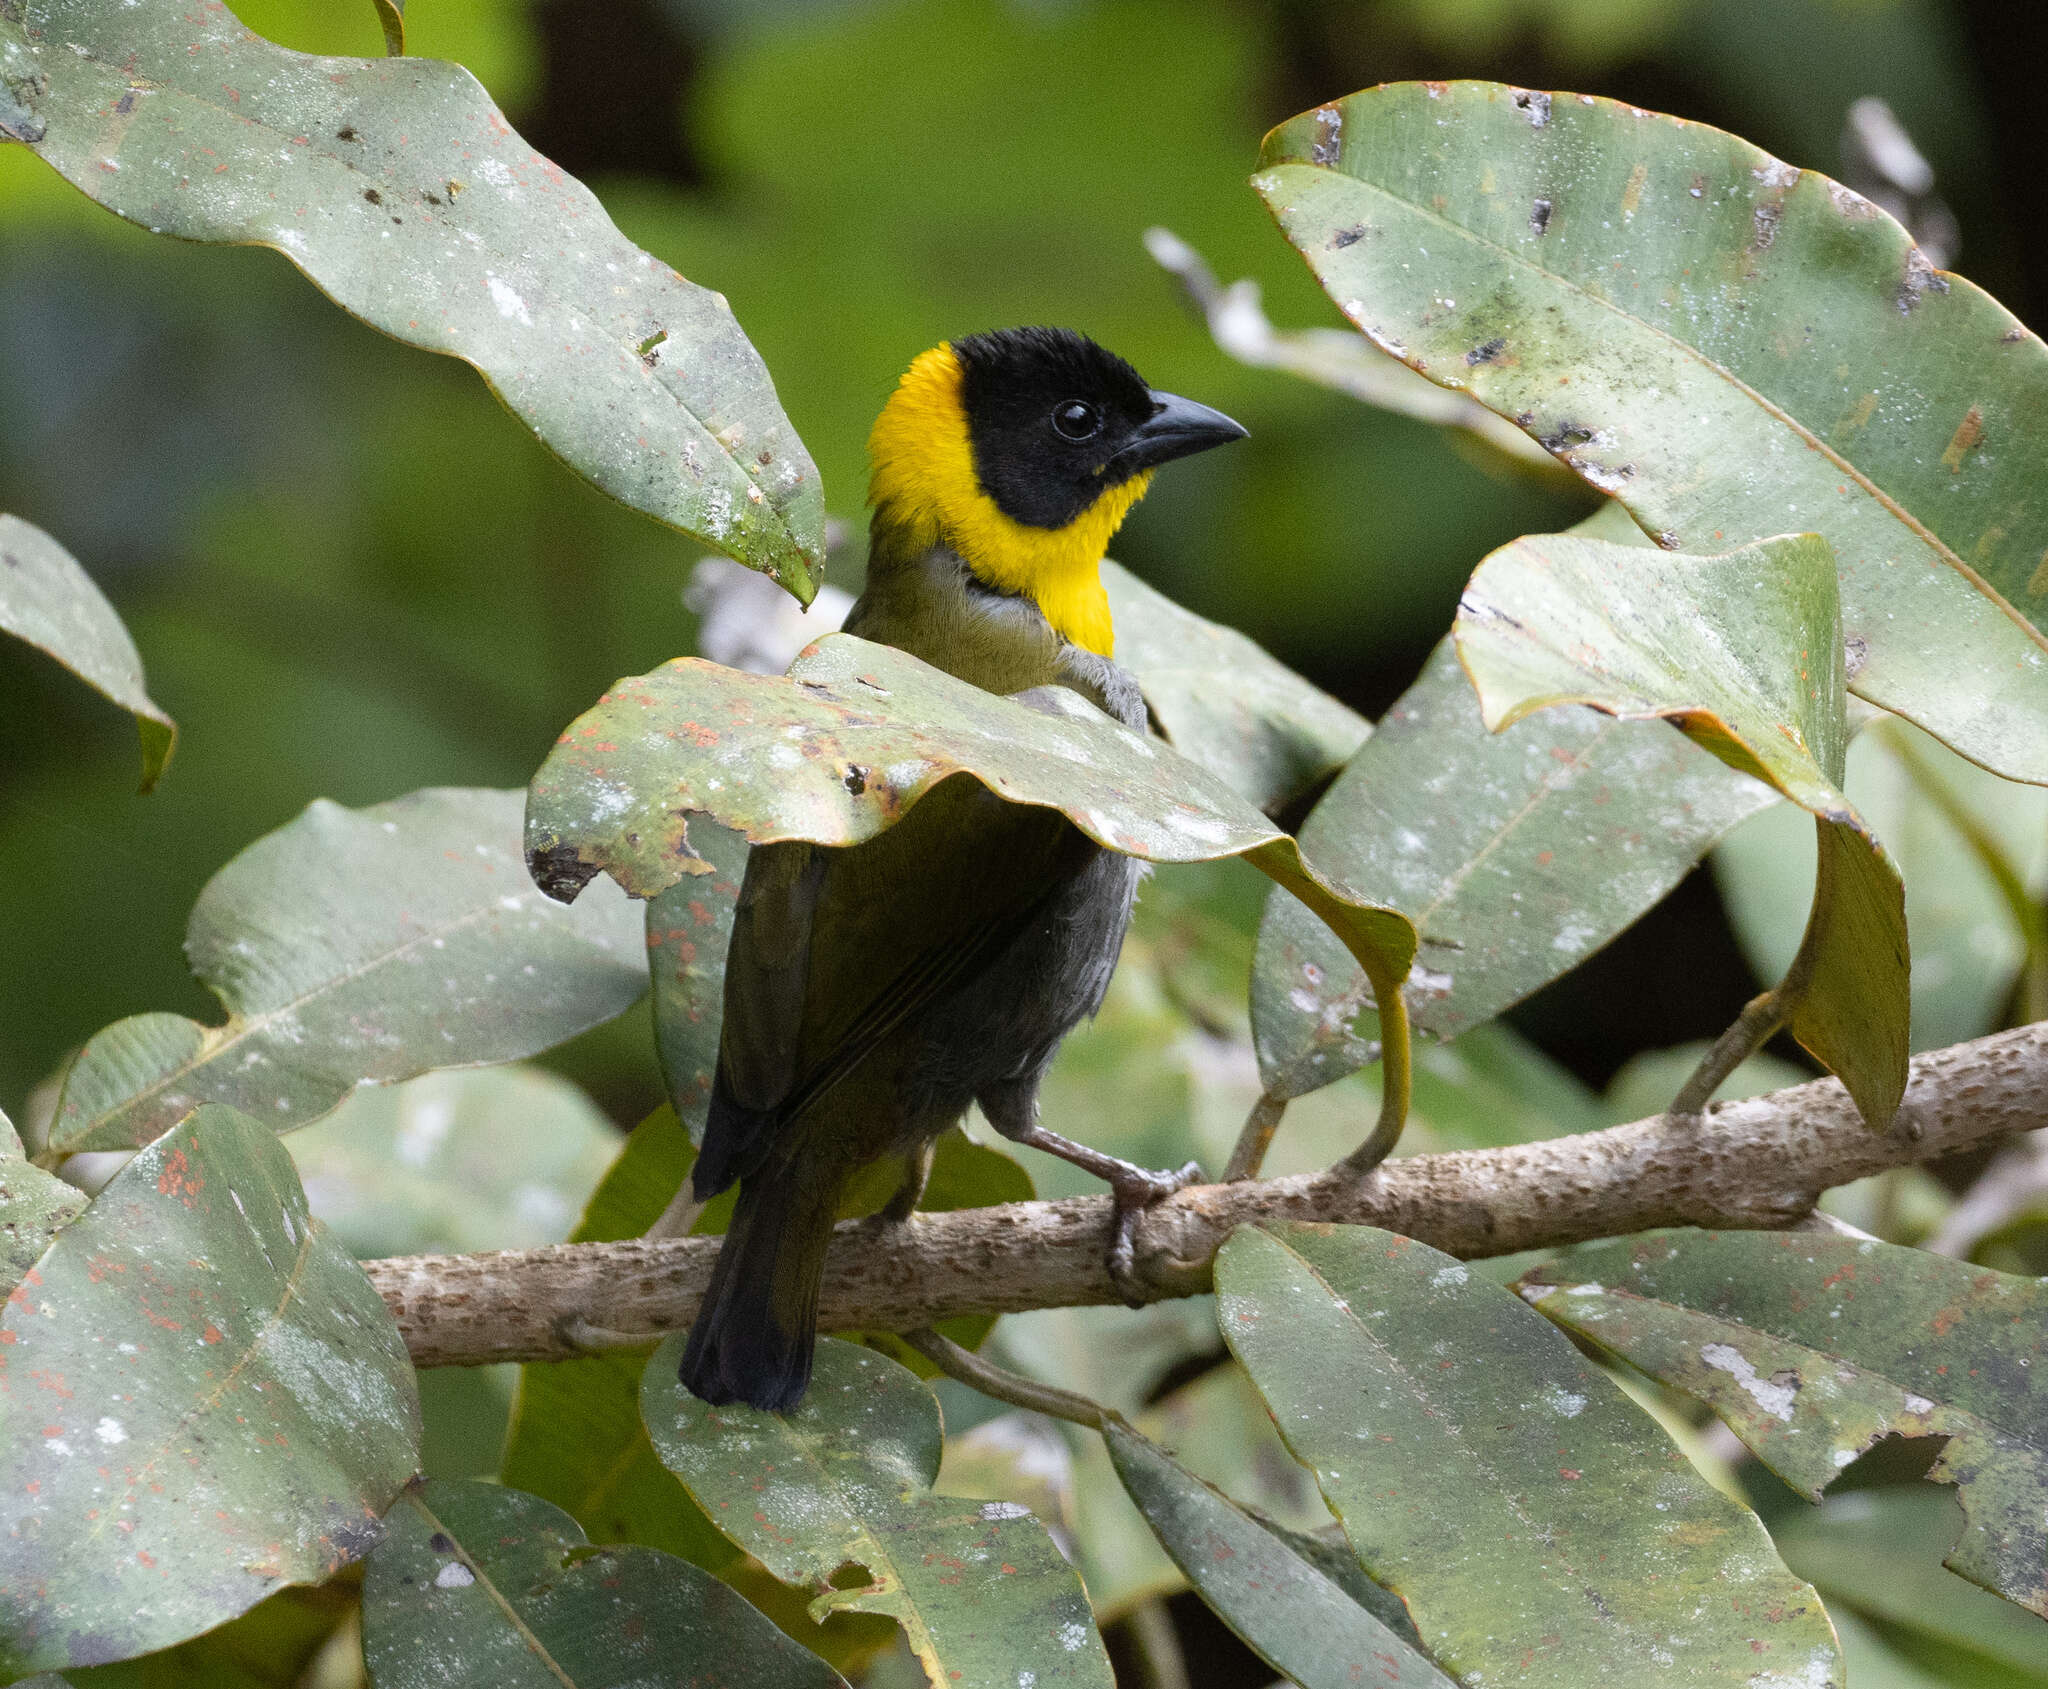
<point x="1055" y="421"/>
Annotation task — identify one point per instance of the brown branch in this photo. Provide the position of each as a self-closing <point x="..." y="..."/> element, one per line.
<point x="1759" y="1163"/>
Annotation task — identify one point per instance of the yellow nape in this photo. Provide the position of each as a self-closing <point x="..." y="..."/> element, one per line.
<point x="925" y="492"/>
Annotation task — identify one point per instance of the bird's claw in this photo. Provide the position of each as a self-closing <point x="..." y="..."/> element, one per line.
<point x="1134" y="1193"/>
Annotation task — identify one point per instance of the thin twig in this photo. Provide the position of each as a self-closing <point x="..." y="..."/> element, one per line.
<point x="1758" y="1163"/>
<point x="1004" y="1386"/>
<point x="679" y="1216"/>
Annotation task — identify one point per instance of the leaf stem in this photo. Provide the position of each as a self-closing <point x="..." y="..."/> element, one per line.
<point x="1761" y="1016"/>
<point x="1004" y="1386"/>
<point x="1396" y="1078"/>
<point x="1256" y="1138"/>
<point x="1162" y="1663"/>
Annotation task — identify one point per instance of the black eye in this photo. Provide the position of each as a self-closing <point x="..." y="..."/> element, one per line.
<point x="1077" y="421"/>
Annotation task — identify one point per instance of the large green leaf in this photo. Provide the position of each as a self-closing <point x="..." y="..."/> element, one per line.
<point x="493" y="1158"/>
<point x="1540" y="1528"/>
<point x="34" y="1207"/>
<point x="1814" y="1347"/>
<point x="49" y="601"/>
<point x="1967" y="944"/>
<point x="1221" y="701"/>
<point x="1516" y="854"/>
<point x="480" y="1584"/>
<point x="845" y="1478"/>
<point x="1295" y="1618"/>
<point x="397" y="186"/>
<point x="353" y="947"/>
<point x="1731" y="347"/>
<point x="852" y="737"/>
<point x="1744" y="652"/>
<point x="202" y="1399"/>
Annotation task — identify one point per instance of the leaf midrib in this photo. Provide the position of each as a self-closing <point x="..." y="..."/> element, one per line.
<point x="490" y="1588"/>
<point x="1769" y="407"/>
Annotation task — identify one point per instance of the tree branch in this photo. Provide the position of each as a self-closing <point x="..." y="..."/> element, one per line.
<point x="1757" y="1164"/>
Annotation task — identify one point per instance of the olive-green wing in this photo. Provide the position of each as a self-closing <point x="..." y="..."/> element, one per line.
<point x="833" y="949"/>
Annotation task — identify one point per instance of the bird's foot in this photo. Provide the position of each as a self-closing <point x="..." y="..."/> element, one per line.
<point x="1136" y="1189"/>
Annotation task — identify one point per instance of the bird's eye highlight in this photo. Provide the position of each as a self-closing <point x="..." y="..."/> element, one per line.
<point x="1077" y="421"/>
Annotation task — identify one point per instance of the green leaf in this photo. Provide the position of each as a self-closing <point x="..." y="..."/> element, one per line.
<point x="47" y="600"/>
<point x="846" y="742"/>
<point x="1500" y="1485"/>
<point x="480" y="1584"/>
<point x="689" y="928"/>
<point x="1287" y="1611"/>
<point x="359" y="947"/>
<point x="202" y="1399"/>
<point x="576" y="1438"/>
<point x="34" y="1207"/>
<point x="1699" y="330"/>
<point x="400" y="190"/>
<point x="1967" y="946"/>
<point x="1744" y="652"/>
<point x="1812" y="1348"/>
<point x="1879" y="1552"/>
<point x="1516" y="854"/>
<point x="846" y="1478"/>
<point x="1221" y="701"/>
<point x="495" y="1158"/>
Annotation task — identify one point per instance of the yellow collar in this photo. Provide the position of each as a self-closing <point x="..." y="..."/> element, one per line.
<point x="925" y="492"/>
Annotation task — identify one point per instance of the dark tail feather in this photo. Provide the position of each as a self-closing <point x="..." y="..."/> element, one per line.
<point x="754" y="1334"/>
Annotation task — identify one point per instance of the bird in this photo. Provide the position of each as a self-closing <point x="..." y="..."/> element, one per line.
<point x="874" y="991"/>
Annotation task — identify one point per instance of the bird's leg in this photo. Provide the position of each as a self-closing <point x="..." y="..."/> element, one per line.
<point x="1135" y="1188"/>
<point x="917" y="1172"/>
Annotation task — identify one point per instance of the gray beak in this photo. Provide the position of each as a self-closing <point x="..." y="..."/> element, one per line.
<point x="1177" y="428"/>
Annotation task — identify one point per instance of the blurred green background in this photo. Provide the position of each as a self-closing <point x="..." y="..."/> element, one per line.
<point x="352" y="574"/>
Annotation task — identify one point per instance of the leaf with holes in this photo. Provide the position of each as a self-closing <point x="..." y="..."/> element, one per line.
<point x="1812" y="1348"/>
<point x="1294" y="1617"/>
<point x="360" y="946"/>
<point x="398" y="187"/>
<point x="1744" y="652"/>
<point x="1221" y="701"/>
<point x="34" y="1207"/>
<point x="47" y="600"/>
<point x="854" y="735"/>
<point x="845" y="1478"/>
<point x="1730" y="346"/>
<point x="202" y="1399"/>
<point x="1498" y="1483"/>
<point x="1517" y="854"/>
<point x="476" y="1583"/>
